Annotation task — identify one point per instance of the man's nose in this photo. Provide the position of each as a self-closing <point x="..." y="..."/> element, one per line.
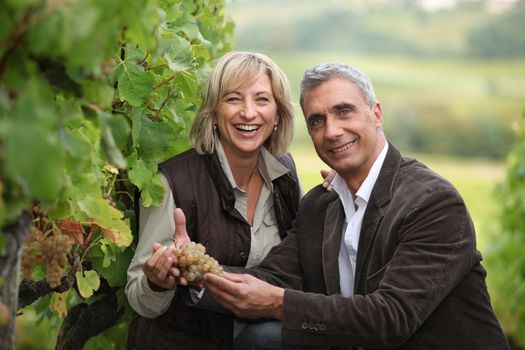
<point x="333" y="129"/>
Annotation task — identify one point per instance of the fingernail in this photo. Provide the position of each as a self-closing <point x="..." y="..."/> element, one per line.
<point x="325" y="184"/>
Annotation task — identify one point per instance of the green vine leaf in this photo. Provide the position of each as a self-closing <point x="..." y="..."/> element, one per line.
<point x="114" y="273"/>
<point x="178" y="55"/>
<point x="135" y="84"/>
<point x="145" y="177"/>
<point x="88" y="282"/>
<point x="108" y="218"/>
<point x="157" y="139"/>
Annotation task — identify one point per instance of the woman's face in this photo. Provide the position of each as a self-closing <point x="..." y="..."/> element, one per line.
<point x="246" y="117"/>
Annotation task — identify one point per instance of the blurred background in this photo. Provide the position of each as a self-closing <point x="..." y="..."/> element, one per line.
<point x="450" y="75"/>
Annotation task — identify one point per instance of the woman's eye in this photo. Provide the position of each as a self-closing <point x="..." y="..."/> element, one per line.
<point x="232" y="99"/>
<point x="263" y="99"/>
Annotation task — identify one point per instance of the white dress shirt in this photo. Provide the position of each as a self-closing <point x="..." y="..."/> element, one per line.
<point x="353" y="220"/>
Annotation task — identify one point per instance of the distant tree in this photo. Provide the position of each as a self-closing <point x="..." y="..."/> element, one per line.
<point x="501" y="37"/>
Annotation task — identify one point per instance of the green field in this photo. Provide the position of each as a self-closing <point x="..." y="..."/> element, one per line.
<point x="459" y="92"/>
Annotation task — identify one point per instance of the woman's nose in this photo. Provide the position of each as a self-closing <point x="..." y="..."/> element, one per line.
<point x="248" y="110"/>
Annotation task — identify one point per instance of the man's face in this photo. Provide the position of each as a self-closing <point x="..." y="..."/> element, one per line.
<point x="344" y="129"/>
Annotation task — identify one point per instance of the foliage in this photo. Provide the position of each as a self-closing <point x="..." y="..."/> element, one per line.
<point x="93" y="95"/>
<point x="506" y="256"/>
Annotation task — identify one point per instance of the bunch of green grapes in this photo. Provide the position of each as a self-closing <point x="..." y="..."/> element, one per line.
<point x="52" y="250"/>
<point x="55" y="250"/>
<point x="31" y="255"/>
<point x="194" y="262"/>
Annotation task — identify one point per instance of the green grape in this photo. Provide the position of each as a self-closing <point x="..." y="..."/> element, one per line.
<point x="194" y="262"/>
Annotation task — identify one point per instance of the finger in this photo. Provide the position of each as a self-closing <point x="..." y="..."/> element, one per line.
<point x="216" y="286"/>
<point x="325" y="173"/>
<point x="156" y="247"/>
<point x="175" y="272"/>
<point x="152" y="261"/>
<point x="163" y="266"/>
<point x="180" y="227"/>
<point x="219" y="283"/>
<point x="330" y="175"/>
<point x="171" y="282"/>
<point x="234" y="277"/>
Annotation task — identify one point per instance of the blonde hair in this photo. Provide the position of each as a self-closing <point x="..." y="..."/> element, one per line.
<point x="233" y="70"/>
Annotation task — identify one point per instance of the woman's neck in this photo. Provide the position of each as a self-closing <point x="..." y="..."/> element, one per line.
<point x="242" y="168"/>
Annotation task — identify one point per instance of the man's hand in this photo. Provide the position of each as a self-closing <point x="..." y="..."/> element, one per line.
<point x="245" y="295"/>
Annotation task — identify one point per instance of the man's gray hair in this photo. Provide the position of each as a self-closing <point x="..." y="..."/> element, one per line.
<point x="323" y="72"/>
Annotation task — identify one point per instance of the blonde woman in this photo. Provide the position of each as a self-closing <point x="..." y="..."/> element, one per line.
<point x="239" y="190"/>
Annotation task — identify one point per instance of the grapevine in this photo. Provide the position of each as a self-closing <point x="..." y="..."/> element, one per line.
<point x="194" y="262"/>
<point x="86" y="114"/>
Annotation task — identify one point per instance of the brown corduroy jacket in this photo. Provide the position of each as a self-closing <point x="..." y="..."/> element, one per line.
<point x="419" y="283"/>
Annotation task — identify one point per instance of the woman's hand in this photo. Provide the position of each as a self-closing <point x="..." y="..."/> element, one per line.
<point x="161" y="267"/>
<point x="158" y="268"/>
<point x="328" y="176"/>
<point x="180" y="236"/>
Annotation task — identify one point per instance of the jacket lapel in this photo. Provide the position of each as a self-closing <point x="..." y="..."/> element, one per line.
<point x="380" y="196"/>
<point x="333" y="230"/>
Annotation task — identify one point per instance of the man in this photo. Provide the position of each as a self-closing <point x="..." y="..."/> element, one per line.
<point x="387" y="260"/>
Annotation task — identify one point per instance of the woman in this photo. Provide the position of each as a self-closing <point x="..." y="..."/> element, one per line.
<point x="239" y="191"/>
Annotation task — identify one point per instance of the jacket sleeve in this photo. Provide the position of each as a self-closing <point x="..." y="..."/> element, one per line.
<point x="434" y="250"/>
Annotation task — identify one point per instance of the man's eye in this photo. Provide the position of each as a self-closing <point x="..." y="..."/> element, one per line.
<point x="344" y="111"/>
<point x="315" y="122"/>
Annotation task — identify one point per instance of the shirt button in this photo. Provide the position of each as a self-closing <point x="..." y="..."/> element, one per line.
<point x="317" y="327"/>
<point x="304" y="325"/>
<point x="243" y="255"/>
<point x="323" y="327"/>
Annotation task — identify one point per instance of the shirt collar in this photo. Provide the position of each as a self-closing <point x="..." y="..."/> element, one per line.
<point x="269" y="166"/>
<point x="364" y="191"/>
<point x="366" y="187"/>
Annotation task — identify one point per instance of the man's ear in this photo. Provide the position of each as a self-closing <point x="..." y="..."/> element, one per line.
<point x="378" y="114"/>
